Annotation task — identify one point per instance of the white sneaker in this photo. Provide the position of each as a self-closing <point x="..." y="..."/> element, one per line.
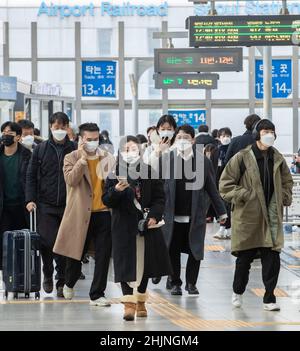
<point x="101" y="302"/>
<point x="271" y="307"/>
<point x="68" y="293"/>
<point x="221" y="234"/>
<point x="237" y="300"/>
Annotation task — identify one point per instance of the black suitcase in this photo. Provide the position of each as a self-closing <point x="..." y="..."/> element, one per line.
<point x="22" y="261"/>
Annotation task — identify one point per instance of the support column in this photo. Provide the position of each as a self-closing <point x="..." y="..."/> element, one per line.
<point x="78" y="73"/>
<point x="295" y="72"/>
<point x="121" y="68"/>
<point x="34" y="52"/>
<point x="267" y="82"/>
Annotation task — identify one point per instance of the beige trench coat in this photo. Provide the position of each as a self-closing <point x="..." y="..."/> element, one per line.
<point x="74" y="226"/>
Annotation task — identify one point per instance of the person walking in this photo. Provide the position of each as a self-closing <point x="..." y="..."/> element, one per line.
<point x="257" y="182"/>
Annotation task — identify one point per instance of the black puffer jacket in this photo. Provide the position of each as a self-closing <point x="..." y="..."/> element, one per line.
<point x="25" y="155"/>
<point x="45" y="180"/>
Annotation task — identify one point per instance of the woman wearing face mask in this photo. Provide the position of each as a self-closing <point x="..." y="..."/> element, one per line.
<point x="224" y="135"/>
<point x="257" y="182"/>
<point x="162" y="140"/>
<point x="137" y="202"/>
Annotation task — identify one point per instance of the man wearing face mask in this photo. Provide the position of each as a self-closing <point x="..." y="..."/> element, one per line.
<point x="27" y="138"/>
<point x="14" y="160"/>
<point x="258" y="183"/>
<point x="46" y="191"/>
<point x="185" y="212"/>
<point x="86" y="219"/>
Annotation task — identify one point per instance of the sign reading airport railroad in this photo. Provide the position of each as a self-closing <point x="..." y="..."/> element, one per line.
<point x="244" y="30"/>
<point x="105" y="9"/>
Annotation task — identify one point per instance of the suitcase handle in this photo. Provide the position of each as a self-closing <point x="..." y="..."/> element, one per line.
<point x="33" y="220"/>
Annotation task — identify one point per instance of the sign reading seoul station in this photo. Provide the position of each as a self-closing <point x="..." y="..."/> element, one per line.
<point x="243" y="30"/>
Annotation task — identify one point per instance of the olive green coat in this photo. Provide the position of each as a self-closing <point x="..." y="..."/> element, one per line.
<point x="253" y="224"/>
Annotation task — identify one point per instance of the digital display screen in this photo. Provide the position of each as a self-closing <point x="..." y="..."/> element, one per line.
<point x="244" y="30"/>
<point x="186" y="81"/>
<point x="198" y="60"/>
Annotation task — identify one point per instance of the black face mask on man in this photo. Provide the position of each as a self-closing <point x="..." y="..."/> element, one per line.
<point x="7" y="140"/>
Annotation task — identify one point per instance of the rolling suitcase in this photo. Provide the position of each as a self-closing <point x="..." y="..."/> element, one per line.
<point x="22" y="261"/>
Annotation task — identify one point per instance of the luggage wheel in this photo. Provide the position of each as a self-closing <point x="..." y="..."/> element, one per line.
<point x="37" y="295"/>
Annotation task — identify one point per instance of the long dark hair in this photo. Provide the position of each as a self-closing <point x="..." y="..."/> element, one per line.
<point x="167" y="119"/>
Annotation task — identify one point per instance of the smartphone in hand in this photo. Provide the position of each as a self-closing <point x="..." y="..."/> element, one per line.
<point x="122" y="180"/>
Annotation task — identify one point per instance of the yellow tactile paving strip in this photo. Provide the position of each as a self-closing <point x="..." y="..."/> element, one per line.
<point x="296" y="253"/>
<point x="214" y="248"/>
<point x="293" y="267"/>
<point x="277" y="292"/>
<point x="189" y="321"/>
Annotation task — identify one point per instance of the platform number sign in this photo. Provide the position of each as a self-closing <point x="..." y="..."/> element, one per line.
<point x="99" y="79"/>
<point x="192" y="117"/>
<point x="281" y="79"/>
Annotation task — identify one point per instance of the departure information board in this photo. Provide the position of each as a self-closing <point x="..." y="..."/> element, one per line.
<point x="243" y="30"/>
<point x="198" y="60"/>
<point x="186" y="81"/>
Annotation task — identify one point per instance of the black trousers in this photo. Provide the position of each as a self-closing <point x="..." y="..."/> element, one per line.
<point x="99" y="232"/>
<point x="13" y="218"/>
<point x="48" y="220"/>
<point x="270" y="261"/>
<point x="180" y="243"/>
<point x="127" y="290"/>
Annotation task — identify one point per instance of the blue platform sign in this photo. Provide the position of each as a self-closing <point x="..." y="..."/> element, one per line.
<point x="99" y="79"/>
<point x="281" y="81"/>
<point x="8" y="88"/>
<point x="192" y="117"/>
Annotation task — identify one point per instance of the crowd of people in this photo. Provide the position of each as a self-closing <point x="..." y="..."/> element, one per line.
<point x="146" y="205"/>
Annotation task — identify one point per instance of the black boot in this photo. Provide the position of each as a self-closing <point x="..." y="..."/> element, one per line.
<point x="48" y="285"/>
<point x="156" y="280"/>
<point x="192" y="289"/>
<point x="176" y="290"/>
<point x="169" y="284"/>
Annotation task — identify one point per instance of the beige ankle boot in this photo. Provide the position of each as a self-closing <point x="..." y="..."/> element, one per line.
<point x="129" y="302"/>
<point x="141" y="310"/>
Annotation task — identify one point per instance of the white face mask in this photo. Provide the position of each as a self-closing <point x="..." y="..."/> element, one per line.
<point x="130" y="157"/>
<point x="268" y="139"/>
<point x="183" y="145"/>
<point x="91" y="146"/>
<point x="166" y="134"/>
<point x="59" y="134"/>
<point x="225" y="140"/>
<point x="28" y="140"/>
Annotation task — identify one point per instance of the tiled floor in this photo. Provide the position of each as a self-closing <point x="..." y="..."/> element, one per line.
<point x="211" y="310"/>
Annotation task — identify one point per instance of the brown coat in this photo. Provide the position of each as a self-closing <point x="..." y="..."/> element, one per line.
<point x="74" y="226"/>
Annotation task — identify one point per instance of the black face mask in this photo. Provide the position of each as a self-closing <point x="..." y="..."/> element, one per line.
<point x="7" y="140"/>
